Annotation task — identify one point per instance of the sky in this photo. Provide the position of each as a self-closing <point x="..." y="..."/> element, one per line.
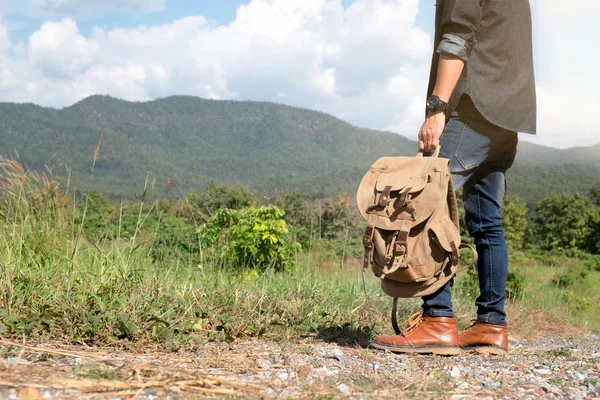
<point x="364" y="61"/>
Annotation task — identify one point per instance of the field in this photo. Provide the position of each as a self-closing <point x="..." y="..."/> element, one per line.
<point x="80" y="308"/>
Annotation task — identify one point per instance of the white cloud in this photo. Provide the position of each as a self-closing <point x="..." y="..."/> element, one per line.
<point x="566" y="36"/>
<point x="4" y="39"/>
<point x="367" y="64"/>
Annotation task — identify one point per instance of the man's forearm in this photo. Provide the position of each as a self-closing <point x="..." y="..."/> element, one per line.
<point x="449" y="70"/>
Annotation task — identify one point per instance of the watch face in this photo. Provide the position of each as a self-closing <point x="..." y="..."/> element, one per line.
<point x="432" y="102"/>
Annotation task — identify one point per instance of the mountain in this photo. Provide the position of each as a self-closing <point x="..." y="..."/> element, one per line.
<point x="189" y="141"/>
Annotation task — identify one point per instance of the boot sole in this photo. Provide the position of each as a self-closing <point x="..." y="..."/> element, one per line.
<point x="486" y="350"/>
<point x="438" y="350"/>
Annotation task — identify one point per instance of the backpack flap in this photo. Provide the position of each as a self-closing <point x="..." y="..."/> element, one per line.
<point x="446" y="235"/>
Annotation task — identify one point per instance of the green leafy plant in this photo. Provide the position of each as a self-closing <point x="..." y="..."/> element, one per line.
<point x="251" y="237"/>
<point x="514" y="221"/>
<point x="515" y="284"/>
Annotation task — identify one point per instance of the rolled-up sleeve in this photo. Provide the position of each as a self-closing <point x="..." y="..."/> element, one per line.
<point x="460" y="20"/>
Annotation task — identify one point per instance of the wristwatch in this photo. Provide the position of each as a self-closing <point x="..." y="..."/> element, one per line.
<point x="434" y="104"/>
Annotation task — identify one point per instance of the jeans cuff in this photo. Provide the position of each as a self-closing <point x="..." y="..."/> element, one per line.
<point x="437" y="313"/>
<point x="490" y="320"/>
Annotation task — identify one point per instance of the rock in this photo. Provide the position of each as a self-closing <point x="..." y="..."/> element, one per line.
<point x="303" y="371"/>
<point x="338" y="354"/>
<point x="463" y="386"/>
<point x="277" y="359"/>
<point x="342" y="388"/>
<point x="283" y="375"/>
<point x="271" y="393"/>
<point x="455" y="373"/>
<point x="492" y="385"/>
<point x="29" y="393"/>
<point x="17" y="361"/>
<point x="263" y="364"/>
<point x="542" y="371"/>
<point x="375" y="366"/>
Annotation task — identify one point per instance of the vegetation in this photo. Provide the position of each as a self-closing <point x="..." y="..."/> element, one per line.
<point x="221" y="264"/>
<point x="188" y="142"/>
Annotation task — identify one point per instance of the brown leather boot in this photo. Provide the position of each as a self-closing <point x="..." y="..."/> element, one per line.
<point x="484" y="338"/>
<point x="425" y="335"/>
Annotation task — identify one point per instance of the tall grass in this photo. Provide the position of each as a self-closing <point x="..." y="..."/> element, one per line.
<point x="55" y="282"/>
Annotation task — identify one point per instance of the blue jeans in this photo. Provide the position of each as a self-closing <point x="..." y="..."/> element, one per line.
<point x="479" y="158"/>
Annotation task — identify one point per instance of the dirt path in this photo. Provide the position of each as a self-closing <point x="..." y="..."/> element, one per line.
<point x="548" y="368"/>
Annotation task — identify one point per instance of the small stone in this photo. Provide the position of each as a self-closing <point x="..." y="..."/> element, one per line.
<point x="303" y="371"/>
<point x="455" y="373"/>
<point x="263" y="364"/>
<point x="271" y="393"/>
<point x="17" y="361"/>
<point x="492" y="385"/>
<point x="463" y="386"/>
<point x="277" y="359"/>
<point x="29" y="393"/>
<point x="542" y="371"/>
<point x="338" y="354"/>
<point x="375" y="366"/>
<point x="283" y="375"/>
<point x="342" y="388"/>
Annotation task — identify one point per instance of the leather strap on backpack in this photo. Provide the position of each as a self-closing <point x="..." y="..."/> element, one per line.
<point x="369" y="246"/>
<point x="395" y="317"/>
<point x="475" y="257"/>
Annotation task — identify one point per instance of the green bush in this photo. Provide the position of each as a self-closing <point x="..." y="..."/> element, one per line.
<point x="514" y="285"/>
<point x="576" y="303"/>
<point x="255" y="238"/>
<point x="174" y="237"/>
<point x="467" y="285"/>
<point x="570" y="277"/>
<point x="514" y="221"/>
<point x="198" y="207"/>
<point x="565" y="222"/>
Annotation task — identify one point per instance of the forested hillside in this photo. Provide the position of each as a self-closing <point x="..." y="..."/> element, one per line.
<point x="187" y="142"/>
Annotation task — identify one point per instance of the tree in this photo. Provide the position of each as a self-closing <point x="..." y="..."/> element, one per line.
<point x="594" y="240"/>
<point x="514" y="221"/>
<point x="199" y="207"/>
<point x="564" y="222"/>
<point x="300" y="215"/>
<point x="594" y="194"/>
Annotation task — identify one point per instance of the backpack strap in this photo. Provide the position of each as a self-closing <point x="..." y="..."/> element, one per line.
<point x="475" y="257"/>
<point x="369" y="246"/>
<point x="397" y="250"/>
<point x="395" y="317"/>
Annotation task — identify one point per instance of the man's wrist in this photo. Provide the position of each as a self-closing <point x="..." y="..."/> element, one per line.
<point x="444" y="95"/>
<point x="436" y="104"/>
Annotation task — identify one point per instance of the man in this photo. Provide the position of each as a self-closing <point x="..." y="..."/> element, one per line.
<point x="481" y="93"/>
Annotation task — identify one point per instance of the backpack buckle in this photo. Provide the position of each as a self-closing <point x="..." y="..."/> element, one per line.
<point x="385" y="196"/>
<point x="368" y="238"/>
<point x="368" y="244"/>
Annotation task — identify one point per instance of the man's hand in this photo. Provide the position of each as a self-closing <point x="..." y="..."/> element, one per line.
<point x="431" y="130"/>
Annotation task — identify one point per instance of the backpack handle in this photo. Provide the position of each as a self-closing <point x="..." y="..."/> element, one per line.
<point x="435" y="154"/>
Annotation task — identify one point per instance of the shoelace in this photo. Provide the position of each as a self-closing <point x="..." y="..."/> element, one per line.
<point x="472" y="323"/>
<point x="413" y="321"/>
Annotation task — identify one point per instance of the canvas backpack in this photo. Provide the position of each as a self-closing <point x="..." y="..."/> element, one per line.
<point x="412" y="239"/>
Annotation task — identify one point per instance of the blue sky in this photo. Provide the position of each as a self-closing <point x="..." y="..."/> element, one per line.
<point x="365" y="61"/>
<point x="221" y="11"/>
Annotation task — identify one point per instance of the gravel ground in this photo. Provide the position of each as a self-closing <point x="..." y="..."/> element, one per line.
<point x="550" y="368"/>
